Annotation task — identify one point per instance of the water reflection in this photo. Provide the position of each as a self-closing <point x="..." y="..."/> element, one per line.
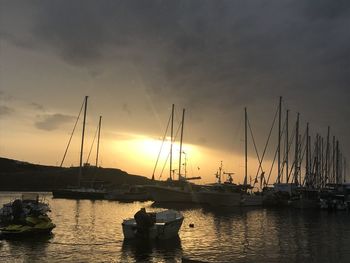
<point x="169" y="250"/>
<point x="176" y="206"/>
<point x="90" y="231"/>
<point x="36" y="245"/>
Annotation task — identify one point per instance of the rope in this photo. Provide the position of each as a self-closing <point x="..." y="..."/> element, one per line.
<point x="75" y="125"/>
<point x="177" y="132"/>
<point x="93" y="142"/>
<point x="267" y="142"/>
<point x="161" y="147"/>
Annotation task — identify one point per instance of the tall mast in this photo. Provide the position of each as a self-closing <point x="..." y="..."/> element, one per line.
<point x="245" y="147"/>
<point x="171" y="142"/>
<point x="98" y="140"/>
<point x="279" y="142"/>
<point x="322" y="163"/>
<point x="287" y="146"/>
<point x="181" y="138"/>
<point x="307" y="168"/>
<point x="327" y="158"/>
<point x="82" y="143"/>
<point x="333" y="161"/>
<point x="296" y="157"/>
<point x="344" y="170"/>
<point x="337" y="161"/>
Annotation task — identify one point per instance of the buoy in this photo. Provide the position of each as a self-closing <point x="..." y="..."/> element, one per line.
<point x="191" y="225"/>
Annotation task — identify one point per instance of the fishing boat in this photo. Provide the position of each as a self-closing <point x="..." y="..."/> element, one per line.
<point x="158" y="225"/>
<point x="26" y="216"/>
<point x="80" y="191"/>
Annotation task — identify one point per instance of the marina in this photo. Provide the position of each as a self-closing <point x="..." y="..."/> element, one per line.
<point x="91" y="231"/>
<point x="174" y="131"/>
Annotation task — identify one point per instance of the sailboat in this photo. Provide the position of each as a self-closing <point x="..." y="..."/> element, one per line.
<point x="228" y="194"/>
<point x="177" y="191"/>
<point x="80" y="191"/>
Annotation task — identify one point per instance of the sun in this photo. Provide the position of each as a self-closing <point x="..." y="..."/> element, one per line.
<point x="144" y="154"/>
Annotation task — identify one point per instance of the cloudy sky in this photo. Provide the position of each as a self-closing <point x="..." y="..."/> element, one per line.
<point x="134" y="59"/>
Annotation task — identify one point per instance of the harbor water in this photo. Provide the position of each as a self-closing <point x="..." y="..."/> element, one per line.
<point x="90" y="231"/>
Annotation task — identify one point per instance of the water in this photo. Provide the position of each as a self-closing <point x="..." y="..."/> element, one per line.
<point x="90" y="231"/>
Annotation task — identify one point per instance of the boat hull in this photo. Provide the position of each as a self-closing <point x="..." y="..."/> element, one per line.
<point x="167" y="225"/>
<point x="305" y="203"/>
<point x="252" y="200"/>
<point x="77" y="194"/>
<point x="128" y="197"/>
<point x="219" y="199"/>
<point x="170" y="195"/>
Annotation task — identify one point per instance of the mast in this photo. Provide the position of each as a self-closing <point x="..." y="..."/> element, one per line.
<point x="296" y="156"/>
<point x="82" y="143"/>
<point x="98" y="140"/>
<point x="287" y="146"/>
<point x="171" y="142"/>
<point x="344" y="170"/>
<point x="279" y="142"/>
<point x="181" y="138"/>
<point x="307" y="168"/>
<point x="327" y="158"/>
<point x="333" y="161"/>
<point x="245" y="147"/>
<point x="337" y="161"/>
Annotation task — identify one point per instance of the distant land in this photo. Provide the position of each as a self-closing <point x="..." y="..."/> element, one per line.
<point x="23" y="176"/>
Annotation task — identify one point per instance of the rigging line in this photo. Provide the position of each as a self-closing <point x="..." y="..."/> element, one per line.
<point x="93" y="142"/>
<point x="302" y="157"/>
<point x="289" y="146"/>
<point x="273" y="163"/>
<point x="70" y="139"/>
<point x="161" y="147"/>
<point x="301" y="152"/>
<point x="177" y="131"/>
<point x="167" y="158"/>
<point x="251" y="134"/>
<point x="267" y="142"/>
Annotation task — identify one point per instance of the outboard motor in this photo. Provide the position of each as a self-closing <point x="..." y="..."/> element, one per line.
<point x="17" y="210"/>
<point x="144" y="222"/>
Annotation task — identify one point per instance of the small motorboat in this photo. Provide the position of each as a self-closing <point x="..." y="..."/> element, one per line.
<point x="157" y="225"/>
<point x="25" y="217"/>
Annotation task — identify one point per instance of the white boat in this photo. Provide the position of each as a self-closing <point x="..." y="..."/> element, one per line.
<point x="166" y="225"/>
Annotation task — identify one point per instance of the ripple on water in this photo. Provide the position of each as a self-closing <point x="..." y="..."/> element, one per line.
<point x="90" y="231"/>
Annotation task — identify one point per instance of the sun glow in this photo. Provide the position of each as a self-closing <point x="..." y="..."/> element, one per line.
<point x="147" y="152"/>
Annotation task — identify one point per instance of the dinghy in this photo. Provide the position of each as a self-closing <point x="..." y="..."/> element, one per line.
<point x="157" y="225"/>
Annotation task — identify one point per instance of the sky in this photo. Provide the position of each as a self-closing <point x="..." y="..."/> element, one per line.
<point x="134" y="59"/>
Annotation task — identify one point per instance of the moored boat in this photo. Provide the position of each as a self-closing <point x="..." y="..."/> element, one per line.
<point x="25" y="217"/>
<point x="158" y="225"/>
<point x="128" y="194"/>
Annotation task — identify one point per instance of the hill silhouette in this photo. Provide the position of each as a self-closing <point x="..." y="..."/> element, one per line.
<point x="23" y="176"/>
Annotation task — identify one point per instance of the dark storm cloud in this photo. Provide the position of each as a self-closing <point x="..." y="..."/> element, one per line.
<point x="214" y="54"/>
<point x="53" y="122"/>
